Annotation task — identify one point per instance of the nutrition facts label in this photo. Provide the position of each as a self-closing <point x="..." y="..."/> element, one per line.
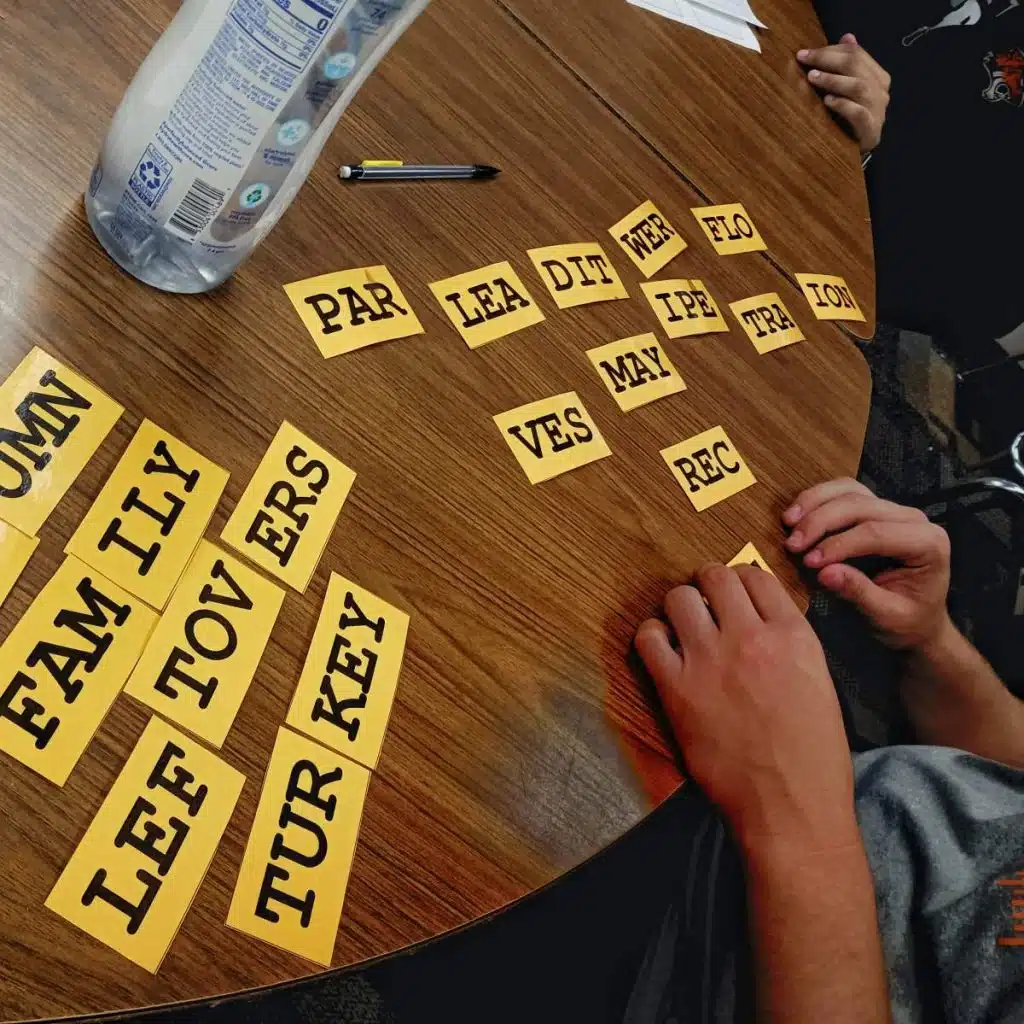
<point x="290" y="30"/>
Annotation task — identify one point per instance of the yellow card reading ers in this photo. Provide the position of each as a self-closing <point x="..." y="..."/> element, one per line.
<point x="729" y="228"/>
<point x="577" y="274"/>
<point x="15" y="551"/>
<point x="830" y="297"/>
<point x="648" y="239"/>
<point x="708" y="468"/>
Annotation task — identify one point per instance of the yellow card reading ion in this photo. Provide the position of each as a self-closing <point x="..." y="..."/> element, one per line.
<point x="198" y="665"/>
<point x="51" y="423"/>
<point x="136" y="871"/>
<point x="767" y="322"/>
<point x="284" y="519"/>
<point x="684" y="308"/>
<point x="729" y="228"/>
<point x="830" y="297"/>
<point x="577" y="274"/>
<point x="751" y="556"/>
<point x="15" y="551"/>
<point x="295" y="870"/>
<point x="708" y="468"/>
<point x="636" y="371"/>
<point x="648" y="239"/>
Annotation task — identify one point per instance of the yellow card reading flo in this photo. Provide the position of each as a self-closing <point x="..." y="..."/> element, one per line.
<point x="648" y="239"/>
<point x="830" y="297"/>
<point x="15" y="551"/>
<point x="767" y="322"/>
<point x="751" y="556"/>
<point x="729" y="228"/>
<point x="636" y="371"/>
<point x="577" y="274"/>
<point x="708" y="468"/>
<point x="684" y="308"/>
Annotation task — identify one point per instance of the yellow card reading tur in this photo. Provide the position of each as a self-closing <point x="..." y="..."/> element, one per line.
<point x="136" y="871"/>
<point x="751" y="556"/>
<point x="830" y="297"/>
<point x="729" y="228"/>
<point x="766" y="322"/>
<point x="292" y="882"/>
<point x="684" y="308"/>
<point x="15" y="551"/>
<point x="199" y="662"/>
<point x="577" y="274"/>
<point x="51" y="423"/>
<point x="636" y="371"/>
<point x="648" y="239"/>
<point x="708" y="468"/>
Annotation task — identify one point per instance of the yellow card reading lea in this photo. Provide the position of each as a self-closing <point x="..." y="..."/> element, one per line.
<point x="552" y="436"/>
<point x="830" y="297"/>
<point x="767" y="322"/>
<point x="51" y="423"/>
<point x="488" y="303"/>
<point x="292" y="882"/>
<point x="201" y="658"/>
<point x="63" y="664"/>
<point x="729" y="228"/>
<point x="684" y="308"/>
<point x="751" y="556"/>
<point x="15" y="551"/>
<point x="636" y="371"/>
<point x="648" y="239"/>
<point x="284" y="519"/>
<point x="708" y="468"/>
<point x="577" y="274"/>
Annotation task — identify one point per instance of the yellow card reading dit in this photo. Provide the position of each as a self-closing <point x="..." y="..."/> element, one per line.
<point x="684" y="308"/>
<point x="292" y="882"/>
<point x="577" y="274"/>
<point x="708" y="468"/>
<point x="766" y="322"/>
<point x="199" y="662"/>
<point x="830" y="297"/>
<point x="751" y="556"/>
<point x="487" y="303"/>
<point x="15" y="551"/>
<point x="729" y="228"/>
<point x="134" y="875"/>
<point x="284" y="519"/>
<point x="636" y="371"/>
<point x="64" y="663"/>
<point x="648" y="239"/>
<point x="51" y="423"/>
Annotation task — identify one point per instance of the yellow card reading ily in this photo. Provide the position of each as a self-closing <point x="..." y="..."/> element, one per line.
<point x="830" y="297"/>
<point x="201" y="658"/>
<point x="708" y="468"/>
<point x="292" y="882"/>
<point x="636" y="371"/>
<point x="15" y="551"/>
<point x="51" y="423"/>
<point x="578" y="274"/>
<point x="751" y="556"/>
<point x="684" y="308"/>
<point x="767" y="322"/>
<point x="729" y="228"/>
<point x="284" y="519"/>
<point x="648" y="239"/>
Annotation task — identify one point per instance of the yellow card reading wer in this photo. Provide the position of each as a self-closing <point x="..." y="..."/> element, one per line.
<point x="284" y="519"/>
<point x="751" y="556"/>
<point x="15" y="551"/>
<point x="729" y="228"/>
<point x="51" y="423"/>
<point x="63" y="664"/>
<point x="295" y="870"/>
<point x="684" y="308"/>
<point x="136" y="871"/>
<point x="648" y="239"/>
<point x="830" y="297"/>
<point x="578" y="274"/>
<point x="198" y="664"/>
<point x="767" y="322"/>
<point x="708" y="468"/>
<point x="636" y="371"/>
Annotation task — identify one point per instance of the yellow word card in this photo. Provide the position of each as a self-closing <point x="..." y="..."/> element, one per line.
<point x="830" y="297"/>
<point x="15" y="551"/>
<point x="577" y="274"/>
<point x="767" y="322"/>
<point x="729" y="228"/>
<point x="751" y="556"/>
<point x="636" y="371"/>
<point x="684" y="308"/>
<point x="648" y="239"/>
<point x="708" y="468"/>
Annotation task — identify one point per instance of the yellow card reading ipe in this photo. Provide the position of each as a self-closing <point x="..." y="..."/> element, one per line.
<point x="577" y="274"/>
<point x="648" y="239"/>
<point x="729" y="228"/>
<point x="684" y="308"/>
<point x="830" y="297"/>
<point x="15" y="551"/>
<point x="708" y="468"/>
<point x="749" y="555"/>
<point x="636" y="371"/>
<point x="767" y="322"/>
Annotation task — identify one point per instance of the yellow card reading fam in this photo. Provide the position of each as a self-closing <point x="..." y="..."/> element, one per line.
<point x="684" y="308"/>
<point x="284" y="519"/>
<point x="63" y="664"/>
<point x="729" y="228"/>
<point x="708" y="468"/>
<point x="830" y="297"/>
<point x="751" y="556"/>
<point x="636" y="371"/>
<point x="578" y="274"/>
<point x="767" y="322"/>
<point x="15" y="551"/>
<point x="198" y="664"/>
<point x="648" y="239"/>
<point x="51" y="423"/>
<point x="295" y="870"/>
<point x="136" y="871"/>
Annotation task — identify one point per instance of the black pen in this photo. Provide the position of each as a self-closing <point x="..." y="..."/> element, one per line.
<point x="421" y="172"/>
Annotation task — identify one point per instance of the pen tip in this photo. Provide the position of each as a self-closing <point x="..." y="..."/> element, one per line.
<point x="490" y="172"/>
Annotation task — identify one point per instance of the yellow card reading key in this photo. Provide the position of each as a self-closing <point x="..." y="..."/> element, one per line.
<point x="648" y="239"/>
<point x="749" y="555"/>
<point x="830" y="297"/>
<point x="708" y="468"/>
<point x="15" y="551"/>
<point x="577" y="274"/>
<point x="636" y="371"/>
<point x="729" y="228"/>
<point x="684" y="308"/>
<point x="766" y="322"/>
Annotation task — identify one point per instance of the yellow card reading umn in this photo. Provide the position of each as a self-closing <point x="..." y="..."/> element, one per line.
<point x="729" y="228"/>
<point x="749" y="555"/>
<point x="292" y="882"/>
<point x="766" y="322"/>
<point x="577" y="274"/>
<point x="684" y="308"/>
<point x="15" y="550"/>
<point x="136" y="871"/>
<point x="708" y="468"/>
<point x="636" y="371"/>
<point x="648" y="239"/>
<point x="830" y="297"/>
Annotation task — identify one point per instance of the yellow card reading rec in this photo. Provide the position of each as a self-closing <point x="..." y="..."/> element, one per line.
<point x="51" y="423"/>
<point x="201" y="658"/>
<point x="751" y="556"/>
<point x="486" y="304"/>
<point x="708" y="468"/>
<point x="729" y="228"/>
<point x="284" y="519"/>
<point x="648" y="239"/>
<point x="577" y="274"/>
<point x="636" y="371"/>
<point x="767" y="322"/>
<point x="292" y="882"/>
<point x="684" y="308"/>
<point x="15" y="551"/>
<point x="830" y="297"/>
<point x="136" y="871"/>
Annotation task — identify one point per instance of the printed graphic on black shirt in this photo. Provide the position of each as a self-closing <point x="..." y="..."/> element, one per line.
<point x="964" y="14"/>
<point x="1005" y="77"/>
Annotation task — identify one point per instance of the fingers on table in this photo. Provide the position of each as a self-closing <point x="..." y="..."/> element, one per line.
<point x="913" y="543"/>
<point x="654" y="645"/>
<point x="769" y="597"/>
<point x="728" y="597"/>
<point x="845" y="511"/>
<point x="810" y="499"/>
<point x="840" y="85"/>
<point x="689" y="616"/>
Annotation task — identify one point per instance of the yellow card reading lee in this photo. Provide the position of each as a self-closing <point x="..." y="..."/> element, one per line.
<point x="708" y="468"/>
<point x="15" y="551"/>
<point x="578" y="274"/>
<point x="199" y="662"/>
<point x="63" y="664"/>
<point x="751" y="556"/>
<point x="292" y="882"/>
<point x="648" y="239"/>
<point x="51" y="423"/>
<point x="284" y="519"/>
<point x="636" y="371"/>
<point x="684" y="308"/>
<point x="766" y="322"/>
<point x="136" y="871"/>
<point x="830" y="297"/>
<point x="729" y="228"/>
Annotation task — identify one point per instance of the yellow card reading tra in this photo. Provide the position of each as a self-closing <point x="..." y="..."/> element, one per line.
<point x="136" y="871"/>
<point x="636" y="371"/>
<point x="767" y="322"/>
<point x="51" y="423"/>
<point x="684" y="308"/>
<point x="708" y="468"/>
<point x="648" y="239"/>
<point x="198" y="664"/>
<point x="284" y="519"/>
<point x="830" y="297"/>
<point x="751" y="556"/>
<point x="63" y="664"/>
<point x="295" y="870"/>
<point x="729" y="228"/>
<point x="577" y="274"/>
<point x="15" y="551"/>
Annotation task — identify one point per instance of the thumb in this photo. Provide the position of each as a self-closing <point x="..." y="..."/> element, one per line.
<point x="852" y="585"/>
<point x="849" y="38"/>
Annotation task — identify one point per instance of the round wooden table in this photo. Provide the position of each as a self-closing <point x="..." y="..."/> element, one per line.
<point x="522" y="740"/>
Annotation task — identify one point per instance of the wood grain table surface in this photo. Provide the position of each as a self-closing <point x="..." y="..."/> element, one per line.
<point x="521" y="741"/>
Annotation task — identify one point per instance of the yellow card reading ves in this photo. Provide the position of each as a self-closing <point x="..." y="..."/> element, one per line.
<point x="766" y="322"/>
<point x="577" y="274"/>
<point x="684" y="308"/>
<point x="708" y="468"/>
<point x="284" y="519"/>
<point x="751" y="556"/>
<point x="136" y="871"/>
<point x="636" y="371"/>
<point x="15" y="551"/>
<point x="63" y="664"/>
<point x="51" y="423"/>
<point x="292" y="882"/>
<point x="830" y="297"/>
<point x="201" y="658"/>
<point x="648" y="239"/>
<point x="729" y="228"/>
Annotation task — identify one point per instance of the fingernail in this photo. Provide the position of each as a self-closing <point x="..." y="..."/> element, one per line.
<point x="803" y="54"/>
<point x="793" y="514"/>
<point x="814" y="75"/>
<point x="795" y="539"/>
<point x="829" y="100"/>
<point x="814" y="558"/>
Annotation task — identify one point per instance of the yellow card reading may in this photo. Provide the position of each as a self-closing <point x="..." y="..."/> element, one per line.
<point x="292" y="882"/>
<point x="198" y="664"/>
<point x="284" y="519"/>
<point x="577" y="274"/>
<point x="751" y="556"/>
<point x="830" y="297"/>
<point x="63" y="664"/>
<point x="648" y="239"/>
<point x="136" y="871"/>
<point x="636" y="371"/>
<point x="51" y="423"/>
<point x="767" y="322"/>
<point x="15" y="551"/>
<point x="684" y="308"/>
<point x="729" y="228"/>
<point x="708" y="468"/>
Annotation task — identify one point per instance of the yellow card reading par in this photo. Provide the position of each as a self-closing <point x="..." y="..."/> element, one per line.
<point x="729" y="228"/>
<point x="136" y="871"/>
<point x="636" y="371"/>
<point x="708" y="468"/>
<point x="684" y="308"/>
<point x="830" y="297"/>
<point x="51" y="423"/>
<point x="15" y="551"/>
<point x="648" y="239"/>
<point x="198" y="664"/>
<point x="751" y="556"/>
<point x="488" y="303"/>
<point x="284" y="519"/>
<point x="767" y="322"/>
<point x="577" y="274"/>
<point x="63" y="664"/>
<point x="297" y="862"/>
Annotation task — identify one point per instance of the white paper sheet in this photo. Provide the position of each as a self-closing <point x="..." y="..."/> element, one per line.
<point x="706" y="19"/>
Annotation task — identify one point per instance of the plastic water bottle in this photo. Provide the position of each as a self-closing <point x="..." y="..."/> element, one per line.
<point x="221" y="126"/>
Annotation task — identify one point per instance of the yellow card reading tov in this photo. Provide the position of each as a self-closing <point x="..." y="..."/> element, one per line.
<point x="577" y="274"/>
<point x="15" y="551"/>
<point x="636" y="371"/>
<point x="136" y="871"/>
<point x="729" y="228"/>
<point x="648" y="239"/>
<point x="63" y="664"/>
<point x="766" y="322"/>
<point x="684" y="308"/>
<point x="830" y="297"/>
<point x="292" y="882"/>
<point x="751" y="556"/>
<point x="51" y="423"/>
<point x="201" y="658"/>
<point x="284" y="519"/>
<point x="708" y="468"/>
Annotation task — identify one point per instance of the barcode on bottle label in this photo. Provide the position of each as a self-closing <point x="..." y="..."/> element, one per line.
<point x="197" y="209"/>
